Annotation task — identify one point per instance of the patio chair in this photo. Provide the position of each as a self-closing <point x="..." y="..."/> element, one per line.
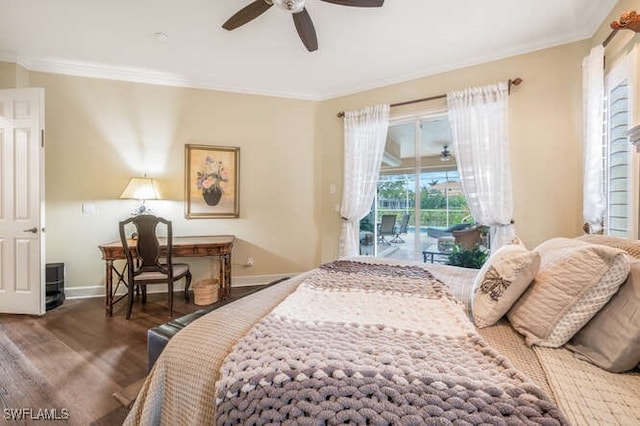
<point x="402" y="230"/>
<point x="468" y="238"/>
<point x="386" y="227"/>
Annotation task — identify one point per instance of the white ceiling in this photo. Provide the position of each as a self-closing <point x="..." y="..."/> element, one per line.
<point x="435" y="134"/>
<point x="359" y="48"/>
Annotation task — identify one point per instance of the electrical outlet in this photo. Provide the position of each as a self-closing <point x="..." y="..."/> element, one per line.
<point x="249" y="261"/>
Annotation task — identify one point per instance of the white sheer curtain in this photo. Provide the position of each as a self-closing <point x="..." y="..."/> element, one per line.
<point x="365" y="134"/>
<point x="594" y="200"/>
<point x="479" y="123"/>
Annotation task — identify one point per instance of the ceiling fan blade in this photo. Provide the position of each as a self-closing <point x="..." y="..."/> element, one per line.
<point x="247" y="14"/>
<point x="357" y="3"/>
<point x="306" y="30"/>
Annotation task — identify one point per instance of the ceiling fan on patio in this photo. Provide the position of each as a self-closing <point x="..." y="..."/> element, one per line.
<point x="445" y="155"/>
<point x="301" y="18"/>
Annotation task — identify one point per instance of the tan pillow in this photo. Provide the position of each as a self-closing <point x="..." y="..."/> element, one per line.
<point x="611" y="340"/>
<point x="574" y="281"/>
<point x="632" y="247"/>
<point x="501" y="281"/>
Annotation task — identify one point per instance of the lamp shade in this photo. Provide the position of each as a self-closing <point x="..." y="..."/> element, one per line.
<point x="141" y="189"/>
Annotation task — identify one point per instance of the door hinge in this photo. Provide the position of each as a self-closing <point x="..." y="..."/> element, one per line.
<point x="42" y="138"/>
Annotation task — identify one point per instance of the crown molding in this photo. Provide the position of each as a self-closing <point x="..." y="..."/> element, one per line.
<point x="592" y="21"/>
<point x="146" y="76"/>
<point x="507" y="53"/>
<point x="8" y="56"/>
<point x="137" y="75"/>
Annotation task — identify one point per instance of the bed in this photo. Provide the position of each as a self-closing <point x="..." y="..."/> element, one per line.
<point x="369" y="341"/>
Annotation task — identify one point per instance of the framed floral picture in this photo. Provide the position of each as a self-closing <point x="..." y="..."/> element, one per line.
<point x="212" y="176"/>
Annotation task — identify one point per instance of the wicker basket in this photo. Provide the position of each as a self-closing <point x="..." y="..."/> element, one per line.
<point x="206" y="291"/>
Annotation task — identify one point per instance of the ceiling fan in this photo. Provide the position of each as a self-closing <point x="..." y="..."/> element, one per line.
<point x="301" y="18"/>
<point x="445" y="155"/>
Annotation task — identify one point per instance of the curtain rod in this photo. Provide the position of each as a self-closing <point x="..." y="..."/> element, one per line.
<point x="515" y="82"/>
<point x="608" y="39"/>
<point x="628" y="21"/>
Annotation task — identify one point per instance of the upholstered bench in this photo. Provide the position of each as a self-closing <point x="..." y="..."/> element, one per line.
<point x="159" y="336"/>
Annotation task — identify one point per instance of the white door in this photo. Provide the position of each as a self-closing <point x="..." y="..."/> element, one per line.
<point x="22" y="269"/>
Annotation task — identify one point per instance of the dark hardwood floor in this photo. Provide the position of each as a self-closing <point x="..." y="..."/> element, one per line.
<point x="75" y="357"/>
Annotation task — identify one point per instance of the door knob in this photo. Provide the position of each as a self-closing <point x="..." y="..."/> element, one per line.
<point x="33" y="230"/>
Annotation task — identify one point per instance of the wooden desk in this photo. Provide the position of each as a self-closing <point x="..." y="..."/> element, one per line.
<point x="215" y="246"/>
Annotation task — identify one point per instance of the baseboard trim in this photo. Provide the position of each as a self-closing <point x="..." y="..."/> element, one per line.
<point x="245" y="281"/>
<point x="250" y="280"/>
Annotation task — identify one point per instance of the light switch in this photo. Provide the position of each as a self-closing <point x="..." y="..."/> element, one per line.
<point x="88" y="208"/>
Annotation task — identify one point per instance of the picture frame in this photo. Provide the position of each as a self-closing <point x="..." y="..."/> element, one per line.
<point x="212" y="181"/>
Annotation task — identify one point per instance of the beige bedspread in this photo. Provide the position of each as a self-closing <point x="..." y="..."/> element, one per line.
<point x="589" y="395"/>
<point x="180" y="387"/>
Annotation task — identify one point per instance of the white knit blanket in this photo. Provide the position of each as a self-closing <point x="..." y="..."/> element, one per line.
<point x="373" y="344"/>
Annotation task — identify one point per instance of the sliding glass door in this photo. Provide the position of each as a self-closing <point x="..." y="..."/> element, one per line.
<point x="419" y="196"/>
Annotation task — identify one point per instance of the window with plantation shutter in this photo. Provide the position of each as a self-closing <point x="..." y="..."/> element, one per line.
<point x="621" y="176"/>
<point x="618" y="190"/>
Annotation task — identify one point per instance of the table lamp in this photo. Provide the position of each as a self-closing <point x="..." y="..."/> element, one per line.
<point x="142" y="189"/>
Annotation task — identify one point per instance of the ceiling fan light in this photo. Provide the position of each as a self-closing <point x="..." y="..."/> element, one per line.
<point x="445" y="155"/>
<point x="293" y="6"/>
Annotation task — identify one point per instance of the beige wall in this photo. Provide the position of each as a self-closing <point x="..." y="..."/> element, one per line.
<point x="13" y="76"/>
<point x="545" y="132"/>
<point x="100" y="132"/>
<point x="7" y="75"/>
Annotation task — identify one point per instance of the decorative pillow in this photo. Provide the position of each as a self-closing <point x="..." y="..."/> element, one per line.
<point x="632" y="247"/>
<point x="501" y="281"/>
<point x="574" y="281"/>
<point x="611" y="340"/>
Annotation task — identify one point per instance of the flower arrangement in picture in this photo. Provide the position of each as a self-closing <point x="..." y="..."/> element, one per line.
<point x="208" y="181"/>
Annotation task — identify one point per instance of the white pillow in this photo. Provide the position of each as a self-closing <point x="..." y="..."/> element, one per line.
<point x="501" y="281"/>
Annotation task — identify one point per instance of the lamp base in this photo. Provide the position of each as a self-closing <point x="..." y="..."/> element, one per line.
<point x="141" y="209"/>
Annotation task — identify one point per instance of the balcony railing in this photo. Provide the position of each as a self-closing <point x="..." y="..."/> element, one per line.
<point x="428" y="217"/>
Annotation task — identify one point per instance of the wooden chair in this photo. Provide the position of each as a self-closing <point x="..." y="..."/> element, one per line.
<point x="144" y="267"/>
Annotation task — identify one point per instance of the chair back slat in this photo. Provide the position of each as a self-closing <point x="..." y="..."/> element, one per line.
<point x="147" y="244"/>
